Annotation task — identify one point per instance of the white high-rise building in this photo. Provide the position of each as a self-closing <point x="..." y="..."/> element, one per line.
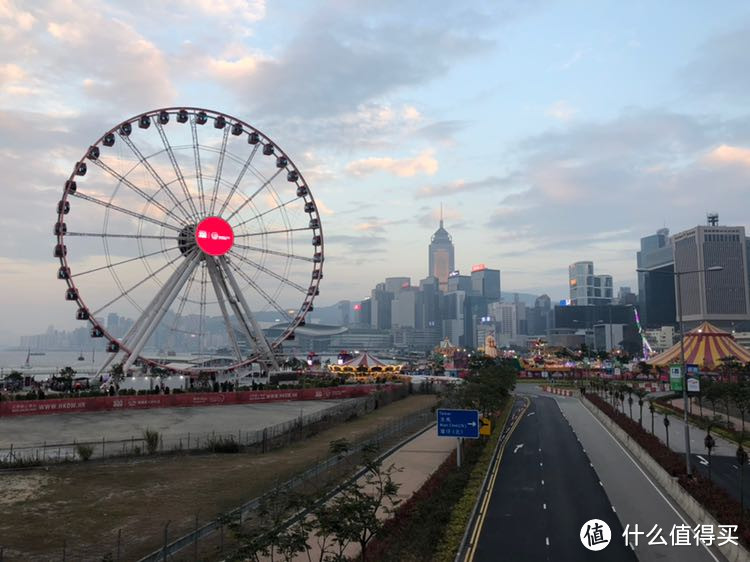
<point x="587" y="288"/>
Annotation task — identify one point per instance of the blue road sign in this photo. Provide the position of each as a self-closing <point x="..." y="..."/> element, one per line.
<point x="458" y="423"/>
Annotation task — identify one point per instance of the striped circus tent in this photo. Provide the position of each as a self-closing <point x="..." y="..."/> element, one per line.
<point x="705" y="346"/>
<point x="364" y="363"/>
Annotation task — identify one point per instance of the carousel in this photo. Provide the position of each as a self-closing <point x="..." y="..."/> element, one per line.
<point x="365" y="367"/>
<point x="706" y="346"/>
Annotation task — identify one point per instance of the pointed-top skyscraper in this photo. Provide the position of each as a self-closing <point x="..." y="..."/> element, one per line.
<point x="441" y="258"/>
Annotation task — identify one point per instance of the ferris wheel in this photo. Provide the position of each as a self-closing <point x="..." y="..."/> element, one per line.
<point x="184" y="228"/>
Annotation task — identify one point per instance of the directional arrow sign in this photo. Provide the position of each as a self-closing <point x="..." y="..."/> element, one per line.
<point x="704" y="462"/>
<point x="517" y="447"/>
<point x="458" y="423"/>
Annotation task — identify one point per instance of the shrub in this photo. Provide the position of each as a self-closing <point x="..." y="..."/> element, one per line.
<point x="224" y="445"/>
<point x="151" y="439"/>
<point x="84" y="451"/>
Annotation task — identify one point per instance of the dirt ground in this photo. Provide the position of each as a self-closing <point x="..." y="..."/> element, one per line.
<point x="80" y="508"/>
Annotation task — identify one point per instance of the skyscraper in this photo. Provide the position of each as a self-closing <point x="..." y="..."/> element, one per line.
<point x="656" y="295"/>
<point x="587" y="288"/>
<point x="440" y="255"/>
<point x="721" y="296"/>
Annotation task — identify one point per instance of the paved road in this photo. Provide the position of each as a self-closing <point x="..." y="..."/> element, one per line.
<point x="724" y="470"/>
<point x="545" y="491"/>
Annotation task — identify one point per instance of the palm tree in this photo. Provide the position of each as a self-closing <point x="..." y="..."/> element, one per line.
<point x="740" y="394"/>
<point x="629" y="390"/>
<point x="640" y="393"/>
<point x="651" y="409"/>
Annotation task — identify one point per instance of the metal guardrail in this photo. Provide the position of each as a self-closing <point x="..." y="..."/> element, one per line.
<point x="207" y="530"/>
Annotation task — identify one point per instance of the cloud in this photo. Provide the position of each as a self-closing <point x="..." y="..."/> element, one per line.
<point x="719" y="68"/>
<point x="726" y="154"/>
<point x="579" y="187"/>
<point x="461" y="186"/>
<point x="77" y="51"/>
<point x="423" y="163"/>
<point x="561" y="110"/>
<point x="365" y="243"/>
<point x="344" y="55"/>
<point x="451" y="216"/>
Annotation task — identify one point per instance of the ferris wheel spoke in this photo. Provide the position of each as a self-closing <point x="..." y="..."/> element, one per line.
<point x="276" y="306"/>
<point x="255" y="193"/>
<point x="122" y="179"/>
<point x="219" y="168"/>
<point x="132" y="288"/>
<point x="176" y="167"/>
<point x="283" y="231"/>
<point x="269" y="272"/>
<point x="129" y="260"/>
<point x="198" y="168"/>
<point x="263" y="347"/>
<point x="108" y="235"/>
<point x="123" y="210"/>
<point x="157" y="178"/>
<point x="221" y="290"/>
<point x="276" y="208"/>
<point x="274" y="253"/>
<point x="241" y="175"/>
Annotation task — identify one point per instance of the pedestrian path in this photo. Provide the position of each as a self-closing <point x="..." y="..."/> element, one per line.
<point x="415" y="463"/>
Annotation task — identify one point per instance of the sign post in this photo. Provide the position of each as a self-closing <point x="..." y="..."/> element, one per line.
<point x="459" y="424"/>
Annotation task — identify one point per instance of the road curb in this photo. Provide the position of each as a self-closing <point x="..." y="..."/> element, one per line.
<point x="670" y="484"/>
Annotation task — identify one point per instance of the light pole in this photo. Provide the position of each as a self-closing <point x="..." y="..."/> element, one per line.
<point x="683" y="372"/>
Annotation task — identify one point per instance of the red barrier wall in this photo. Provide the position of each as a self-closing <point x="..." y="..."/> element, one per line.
<point x="101" y="403"/>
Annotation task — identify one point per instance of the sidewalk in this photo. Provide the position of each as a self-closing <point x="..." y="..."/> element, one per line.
<point x="416" y="462"/>
<point x="708" y="411"/>
<point x="723" y="447"/>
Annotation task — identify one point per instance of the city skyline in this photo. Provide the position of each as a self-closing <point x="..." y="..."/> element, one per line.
<point x="624" y="120"/>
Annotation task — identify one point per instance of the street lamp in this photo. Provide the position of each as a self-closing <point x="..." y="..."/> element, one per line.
<point x="683" y="372"/>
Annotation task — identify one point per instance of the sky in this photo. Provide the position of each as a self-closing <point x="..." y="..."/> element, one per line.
<point x="550" y="131"/>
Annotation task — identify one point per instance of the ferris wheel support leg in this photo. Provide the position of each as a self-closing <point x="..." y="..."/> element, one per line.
<point x="153" y="322"/>
<point x="137" y="326"/>
<point x="246" y="328"/>
<point x="265" y="349"/>
<point x="214" y="275"/>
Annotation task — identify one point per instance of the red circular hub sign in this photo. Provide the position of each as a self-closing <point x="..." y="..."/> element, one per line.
<point x="214" y="236"/>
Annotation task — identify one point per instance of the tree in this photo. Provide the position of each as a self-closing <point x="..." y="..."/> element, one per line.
<point x="67" y="374"/>
<point x="486" y="390"/>
<point x="640" y="393"/>
<point x="272" y="535"/>
<point x="116" y="373"/>
<point x="352" y="516"/>
<point x="740" y="394"/>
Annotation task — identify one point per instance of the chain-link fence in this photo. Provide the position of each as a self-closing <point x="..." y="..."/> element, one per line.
<point x="206" y="537"/>
<point x="250" y="440"/>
